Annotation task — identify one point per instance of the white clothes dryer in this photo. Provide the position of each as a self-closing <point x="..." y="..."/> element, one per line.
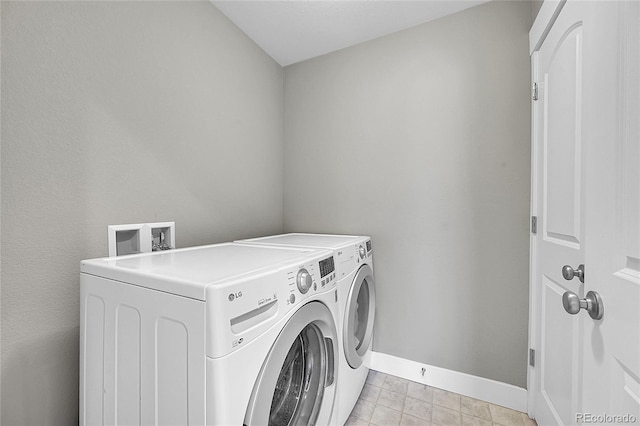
<point x="356" y="306"/>
<point x="226" y="334"/>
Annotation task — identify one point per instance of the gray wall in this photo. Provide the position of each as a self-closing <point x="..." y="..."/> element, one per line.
<point x="421" y="139"/>
<point x="536" y="5"/>
<point x="119" y="112"/>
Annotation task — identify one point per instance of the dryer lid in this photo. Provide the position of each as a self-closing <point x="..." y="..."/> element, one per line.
<point x="189" y="271"/>
<point x="308" y="240"/>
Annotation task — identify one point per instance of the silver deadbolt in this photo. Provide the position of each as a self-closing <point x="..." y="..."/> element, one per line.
<point x="592" y="304"/>
<point x="569" y="273"/>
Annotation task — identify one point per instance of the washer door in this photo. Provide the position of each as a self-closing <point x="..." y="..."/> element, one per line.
<point x="359" y="316"/>
<point x="296" y="383"/>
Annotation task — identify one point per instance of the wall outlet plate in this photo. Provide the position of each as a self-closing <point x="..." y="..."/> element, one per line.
<point x="163" y="235"/>
<point x="125" y="239"/>
<point x="141" y="238"/>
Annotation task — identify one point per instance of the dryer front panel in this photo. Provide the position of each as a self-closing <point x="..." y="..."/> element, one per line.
<point x="359" y="316"/>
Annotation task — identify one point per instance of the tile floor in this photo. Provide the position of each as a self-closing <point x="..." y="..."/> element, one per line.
<point x="391" y="401"/>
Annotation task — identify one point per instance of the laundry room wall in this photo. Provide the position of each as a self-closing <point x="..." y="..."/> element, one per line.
<point x="421" y="140"/>
<point x="119" y="112"/>
<point x="536" y="5"/>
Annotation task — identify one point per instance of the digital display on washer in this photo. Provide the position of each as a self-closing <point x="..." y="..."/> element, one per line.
<point x="369" y="246"/>
<point x="326" y="267"/>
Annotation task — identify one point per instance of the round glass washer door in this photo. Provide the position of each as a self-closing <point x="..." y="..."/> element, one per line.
<point x="359" y="317"/>
<point x="295" y="385"/>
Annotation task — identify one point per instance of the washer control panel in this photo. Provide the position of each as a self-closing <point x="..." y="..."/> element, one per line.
<point x="309" y="278"/>
<point x="327" y="266"/>
<point x="327" y="271"/>
<point x="242" y="307"/>
<point x="304" y="281"/>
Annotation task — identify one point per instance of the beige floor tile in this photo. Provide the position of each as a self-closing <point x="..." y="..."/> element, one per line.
<point x="408" y="420"/>
<point x="527" y="421"/>
<point x="446" y="399"/>
<point x="396" y="384"/>
<point x="356" y="421"/>
<point x="384" y="416"/>
<point x="474" y="421"/>
<point x="376" y="378"/>
<point x="417" y="408"/>
<point x="475" y="407"/>
<point x="391" y="399"/>
<point x="505" y="416"/>
<point x="363" y="409"/>
<point x="420" y="391"/>
<point x="443" y="416"/>
<point x="370" y="393"/>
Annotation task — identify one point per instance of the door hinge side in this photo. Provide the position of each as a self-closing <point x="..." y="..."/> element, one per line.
<point x="534" y="91"/>
<point x="532" y="357"/>
<point x="534" y="224"/>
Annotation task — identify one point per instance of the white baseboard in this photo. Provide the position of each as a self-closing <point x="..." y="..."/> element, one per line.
<point x="488" y="390"/>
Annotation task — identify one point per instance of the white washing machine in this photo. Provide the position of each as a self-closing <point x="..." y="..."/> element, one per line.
<point x="226" y="334"/>
<point x="356" y="301"/>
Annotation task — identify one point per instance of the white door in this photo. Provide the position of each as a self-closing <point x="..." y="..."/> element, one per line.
<point x="583" y="185"/>
<point x="559" y="159"/>
<point x="611" y="347"/>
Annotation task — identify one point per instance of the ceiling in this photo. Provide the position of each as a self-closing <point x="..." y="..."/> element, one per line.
<point x="295" y="30"/>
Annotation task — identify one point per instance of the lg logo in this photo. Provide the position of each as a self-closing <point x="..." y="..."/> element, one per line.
<point x="234" y="296"/>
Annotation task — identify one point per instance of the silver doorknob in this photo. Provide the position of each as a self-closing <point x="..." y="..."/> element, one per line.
<point x="569" y="273"/>
<point x="592" y="304"/>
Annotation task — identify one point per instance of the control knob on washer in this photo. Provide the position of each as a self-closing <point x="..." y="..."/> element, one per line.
<point x="362" y="252"/>
<point x="304" y="281"/>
